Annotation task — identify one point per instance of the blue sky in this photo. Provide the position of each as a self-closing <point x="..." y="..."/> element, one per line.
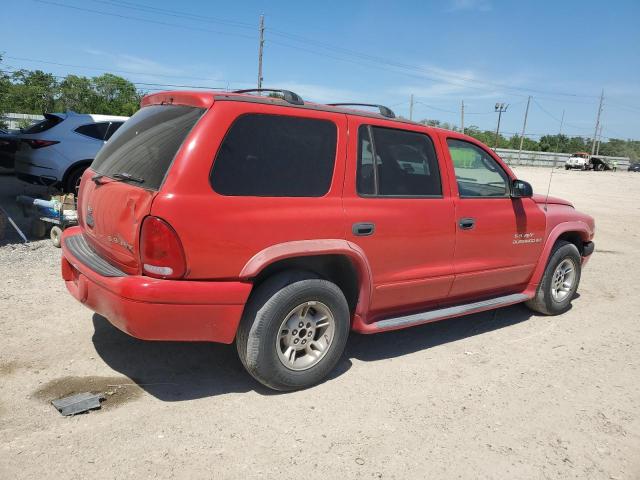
<point x="480" y="51"/>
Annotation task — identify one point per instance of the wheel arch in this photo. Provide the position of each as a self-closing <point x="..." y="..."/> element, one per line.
<point x="339" y="261"/>
<point x="576" y="233"/>
<point x="73" y="167"/>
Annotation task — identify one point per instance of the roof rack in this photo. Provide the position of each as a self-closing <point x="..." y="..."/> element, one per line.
<point x="287" y="95"/>
<point x="384" y="111"/>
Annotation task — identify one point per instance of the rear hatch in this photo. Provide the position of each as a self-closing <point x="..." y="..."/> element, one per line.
<point x="118" y="189"/>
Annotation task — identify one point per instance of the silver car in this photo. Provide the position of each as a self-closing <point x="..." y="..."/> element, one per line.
<point x="57" y="150"/>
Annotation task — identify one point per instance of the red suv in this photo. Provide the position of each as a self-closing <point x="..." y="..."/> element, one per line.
<point x="283" y="225"/>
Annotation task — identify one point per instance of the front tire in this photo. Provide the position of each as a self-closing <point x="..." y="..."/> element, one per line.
<point x="272" y="345"/>
<point x="559" y="282"/>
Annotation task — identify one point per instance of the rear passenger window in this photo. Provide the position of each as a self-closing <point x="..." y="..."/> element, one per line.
<point x="94" y="130"/>
<point x="275" y="156"/>
<point x="396" y="163"/>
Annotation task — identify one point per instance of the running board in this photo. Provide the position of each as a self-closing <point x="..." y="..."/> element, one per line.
<point x="442" y="313"/>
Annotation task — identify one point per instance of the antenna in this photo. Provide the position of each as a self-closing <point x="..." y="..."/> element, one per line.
<point x="546" y="199"/>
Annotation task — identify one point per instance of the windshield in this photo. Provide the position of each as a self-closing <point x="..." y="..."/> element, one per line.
<point x="144" y="147"/>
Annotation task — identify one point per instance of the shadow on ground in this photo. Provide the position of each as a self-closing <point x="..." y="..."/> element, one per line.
<point x="176" y="371"/>
<point x="10" y="188"/>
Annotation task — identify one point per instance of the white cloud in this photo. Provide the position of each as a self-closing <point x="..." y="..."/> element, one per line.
<point x="319" y="93"/>
<point x="470" y="5"/>
<point x="446" y="83"/>
<point x="147" y="70"/>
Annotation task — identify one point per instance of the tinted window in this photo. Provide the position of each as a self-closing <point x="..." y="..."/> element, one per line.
<point x="112" y="129"/>
<point x="49" y="121"/>
<point x="396" y="163"/>
<point x="276" y="156"/>
<point x="477" y="173"/>
<point x="145" y="145"/>
<point x="94" y="130"/>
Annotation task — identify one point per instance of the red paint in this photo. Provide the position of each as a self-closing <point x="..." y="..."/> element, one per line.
<point x="417" y="259"/>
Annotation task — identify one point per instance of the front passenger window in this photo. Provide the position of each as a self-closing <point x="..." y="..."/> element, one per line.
<point x="477" y="173"/>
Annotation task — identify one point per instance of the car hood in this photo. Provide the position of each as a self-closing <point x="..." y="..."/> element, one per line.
<point x="538" y="198"/>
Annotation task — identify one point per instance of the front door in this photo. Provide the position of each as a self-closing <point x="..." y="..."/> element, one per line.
<point x="498" y="238"/>
<point x="399" y="211"/>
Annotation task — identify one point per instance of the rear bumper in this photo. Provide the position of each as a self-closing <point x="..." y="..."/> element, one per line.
<point x="39" y="171"/>
<point x="153" y="309"/>
<point x="36" y="179"/>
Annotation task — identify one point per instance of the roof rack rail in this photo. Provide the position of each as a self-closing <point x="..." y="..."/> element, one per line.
<point x="287" y="95"/>
<point x="384" y="111"/>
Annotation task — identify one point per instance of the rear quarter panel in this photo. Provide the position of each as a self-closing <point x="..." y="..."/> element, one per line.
<point x="220" y="234"/>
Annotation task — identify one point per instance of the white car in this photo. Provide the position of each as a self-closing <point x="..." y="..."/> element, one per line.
<point x="57" y="150"/>
<point x="578" y="161"/>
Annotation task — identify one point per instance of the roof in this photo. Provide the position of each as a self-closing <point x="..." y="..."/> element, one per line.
<point x="206" y="99"/>
<point x="96" y="117"/>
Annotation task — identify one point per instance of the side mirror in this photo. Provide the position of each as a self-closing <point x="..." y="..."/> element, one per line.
<point x="521" y="189"/>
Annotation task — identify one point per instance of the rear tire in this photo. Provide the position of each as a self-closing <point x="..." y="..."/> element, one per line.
<point x="270" y="325"/>
<point x="559" y="282"/>
<point x="72" y="183"/>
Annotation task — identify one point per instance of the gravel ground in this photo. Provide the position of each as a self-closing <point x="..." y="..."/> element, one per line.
<point x="503" y="394"/>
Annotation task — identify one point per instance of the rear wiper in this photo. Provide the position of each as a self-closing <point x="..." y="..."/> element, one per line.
<point x="120" y="177"/>
<point x="127" y="177"/>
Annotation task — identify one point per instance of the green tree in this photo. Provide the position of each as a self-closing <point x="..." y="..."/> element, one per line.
<point x="77" y="94"/>
<point x="32" y="91"/>
<point x="115" y="95"/>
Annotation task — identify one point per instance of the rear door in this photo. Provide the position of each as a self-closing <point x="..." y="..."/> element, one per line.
<point x="117" y="190"/>
<point x="498" y="238"/>
<point x="400" y="212"/>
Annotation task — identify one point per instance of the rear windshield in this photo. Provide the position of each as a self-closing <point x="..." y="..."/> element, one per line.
<point x="144" y="147"/>
<point x="50" y="121"/>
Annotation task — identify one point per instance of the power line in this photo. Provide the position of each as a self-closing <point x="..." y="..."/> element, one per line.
<point x="413" y="67"/>
<point x="147" y="20"/>
<point x="549" y="114"/>
<point x="104" y="69"/>
<point x="425" y="73"/>
<point x="134" y="83"/>
<point x="175" y="13"/>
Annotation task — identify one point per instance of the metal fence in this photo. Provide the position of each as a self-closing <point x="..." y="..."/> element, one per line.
<point x="547" y="159"/>
<point x="16" y="120"/>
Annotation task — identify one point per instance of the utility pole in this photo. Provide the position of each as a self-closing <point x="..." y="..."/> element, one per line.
<point x="593" y="143"/>
<point x="599" y="140"/>
<point x="411" y="107"/>
<point x="500" y="107"/>
<point x="261" y="47"/>
<point x="524" y="126"/>
<point x="462" y="116"/>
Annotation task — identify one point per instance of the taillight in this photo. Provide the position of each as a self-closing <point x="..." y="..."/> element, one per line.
<point x="161" y="250"/>
<point x="40" y="143"/>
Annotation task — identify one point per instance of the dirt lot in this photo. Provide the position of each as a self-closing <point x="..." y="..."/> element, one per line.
<point x="503" y="395"/>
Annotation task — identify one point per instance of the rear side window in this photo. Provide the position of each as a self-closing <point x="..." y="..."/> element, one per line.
<point x="112" y="129"/>
<point x="49" y="121"/>
<point x="94" y="130"/>
<point x="276" y="156"/>
<point x="145" y="145"/>
<point x="396" y="163"/>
